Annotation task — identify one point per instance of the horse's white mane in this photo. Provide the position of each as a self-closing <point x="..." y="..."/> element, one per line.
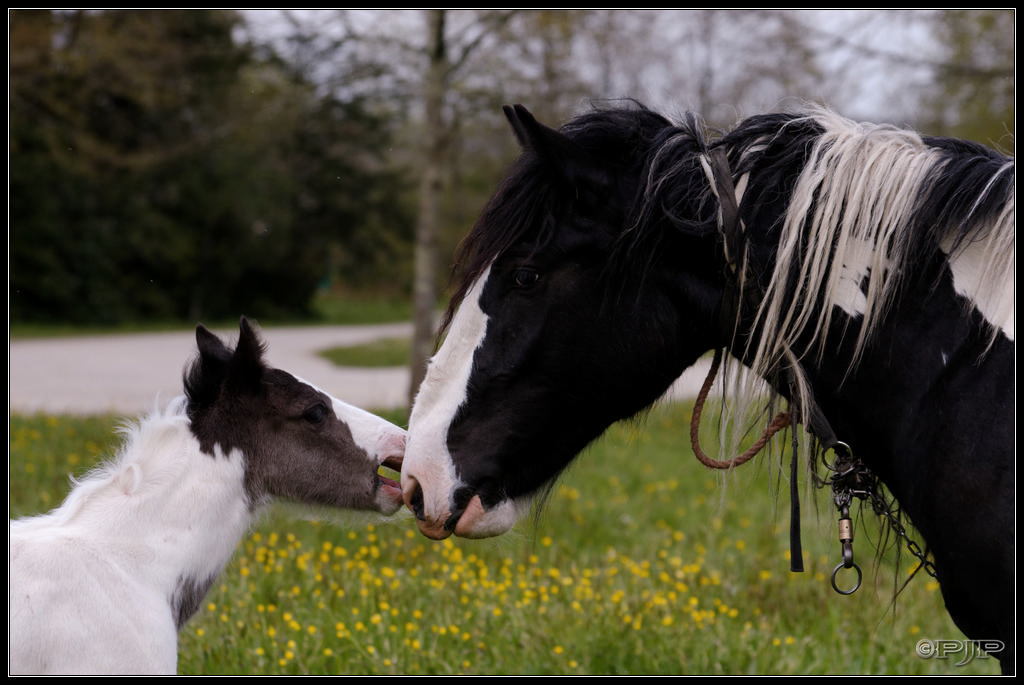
<point x="863" y="180"/>
<point x="861" y="183"/>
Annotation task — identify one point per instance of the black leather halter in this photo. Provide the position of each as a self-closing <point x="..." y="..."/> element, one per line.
<point x="743" y="295"/>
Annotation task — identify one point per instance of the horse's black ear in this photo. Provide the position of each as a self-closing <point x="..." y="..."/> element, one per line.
<point x="246" y="367"/>
<point x="565" y="157"/>
<point x="533" y="135"/>
<point x="528" y="130"/>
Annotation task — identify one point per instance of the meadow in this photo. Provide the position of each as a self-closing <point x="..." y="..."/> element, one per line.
<point x="640" y="562"/>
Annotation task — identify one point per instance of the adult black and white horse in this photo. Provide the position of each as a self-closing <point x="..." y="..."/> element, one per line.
<point x="103" y="583"/>
<point x="865" y="272"/>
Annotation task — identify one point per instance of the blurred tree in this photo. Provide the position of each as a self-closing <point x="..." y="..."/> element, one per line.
<point x="436" y="139"/>
<point x="161" y="170"/>
<point x="976" y="80"/>
<point x="445" y="61"/>
<point x="166" y="164"/>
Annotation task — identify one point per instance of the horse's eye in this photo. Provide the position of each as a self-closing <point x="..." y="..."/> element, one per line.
<point x="525" y="278"/>
<point x="317" y="413"/>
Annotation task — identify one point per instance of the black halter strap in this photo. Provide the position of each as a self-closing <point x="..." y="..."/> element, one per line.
<point x="741" y="296"/>
<point x="742" y="293"/>
<point x="726" y="192"/>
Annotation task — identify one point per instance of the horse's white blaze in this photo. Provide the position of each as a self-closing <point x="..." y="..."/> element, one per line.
<point x="443" y="390"/>
<point x="428" y="463"/>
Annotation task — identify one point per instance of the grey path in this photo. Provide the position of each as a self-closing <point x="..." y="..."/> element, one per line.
<point x="131" y="374"/>
<point x="128" y="374"/>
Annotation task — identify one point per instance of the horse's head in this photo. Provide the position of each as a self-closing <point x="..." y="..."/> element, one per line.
<point x="298" y="442"/>
<point x="565" y="322"/>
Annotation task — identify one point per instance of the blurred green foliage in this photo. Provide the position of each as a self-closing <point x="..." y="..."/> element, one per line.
<point x="173" y="165"/>
<point x="163" y="169"/>
<point x="975" y="87"/>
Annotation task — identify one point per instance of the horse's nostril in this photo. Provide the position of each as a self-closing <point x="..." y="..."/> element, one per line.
<point x="414" y="498"/>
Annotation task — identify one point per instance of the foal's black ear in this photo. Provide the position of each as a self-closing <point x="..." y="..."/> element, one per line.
<point x="246" y="367"/>
<point x="204" y="377"/>
<point x="210" y="346"/>
<point x="249" y="342"/>
<point x="571" y="162"/>
<point x="218" y="368"/>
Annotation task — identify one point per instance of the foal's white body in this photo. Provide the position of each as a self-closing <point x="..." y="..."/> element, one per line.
<point x="118" y="547"/>
<point x="102" y="584"/>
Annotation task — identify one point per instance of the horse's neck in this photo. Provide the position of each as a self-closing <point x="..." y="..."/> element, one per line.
<point x="166" y="506"/>
<point x="917" y="389"/>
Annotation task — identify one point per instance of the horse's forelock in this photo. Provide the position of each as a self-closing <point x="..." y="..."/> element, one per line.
<point x="521" y="208"/>
<point x="524" y="205"/>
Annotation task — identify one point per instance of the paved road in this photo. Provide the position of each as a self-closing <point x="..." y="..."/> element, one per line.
<point x="127" y="374"/>
<point x="130" y="374"/>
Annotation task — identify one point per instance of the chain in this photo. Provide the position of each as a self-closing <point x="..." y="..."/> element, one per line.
<point x="882" y="508"/>
<point x="851" y="478"/>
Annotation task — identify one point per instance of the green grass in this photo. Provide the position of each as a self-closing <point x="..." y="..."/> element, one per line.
<point x="327" y="308"/>
<point x="641" y="562"/>
<point x="379" y="353"/>
<point x="361" y="308"/>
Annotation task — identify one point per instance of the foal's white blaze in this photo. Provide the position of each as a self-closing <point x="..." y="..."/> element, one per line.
<point x="428" y="464"/>
<point x="377" y="437"/>
<point x="380" y="439"/>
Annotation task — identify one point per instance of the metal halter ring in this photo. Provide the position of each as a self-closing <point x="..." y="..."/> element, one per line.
<point x="835" y="571"/>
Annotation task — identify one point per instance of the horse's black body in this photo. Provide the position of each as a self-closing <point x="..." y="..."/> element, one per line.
<point x="612" y="257"/>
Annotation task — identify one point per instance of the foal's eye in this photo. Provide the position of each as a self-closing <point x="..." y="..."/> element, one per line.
<point x="525" y="278"/>
<point x="316" y="413"/>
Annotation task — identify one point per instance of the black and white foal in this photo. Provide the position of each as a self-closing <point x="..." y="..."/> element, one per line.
<point x="103" y="583"/>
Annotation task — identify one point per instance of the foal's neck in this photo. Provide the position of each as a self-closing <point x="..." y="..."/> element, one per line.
<point x="169" y="510"/>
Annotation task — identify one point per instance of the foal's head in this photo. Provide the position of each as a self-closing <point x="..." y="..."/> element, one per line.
<point x="298" y="443"/>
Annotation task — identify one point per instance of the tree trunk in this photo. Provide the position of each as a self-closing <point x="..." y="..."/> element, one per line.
<point x="429" y="212"/>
